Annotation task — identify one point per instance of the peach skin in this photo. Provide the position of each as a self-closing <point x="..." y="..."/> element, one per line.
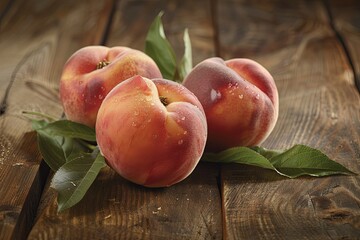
<point x="151" y="132"/>
<point x="240" y="100"/>
<point x="91" y="72"/>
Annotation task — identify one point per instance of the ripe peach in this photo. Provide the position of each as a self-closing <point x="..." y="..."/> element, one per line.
<point x="240" y="100"/>
<point x="91" y="72"/>
<point x="151" y="132"/>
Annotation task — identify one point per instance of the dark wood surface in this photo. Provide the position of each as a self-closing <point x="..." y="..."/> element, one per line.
<point x="311" y="48"/>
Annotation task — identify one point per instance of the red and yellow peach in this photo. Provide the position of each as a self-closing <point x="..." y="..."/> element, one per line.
<point x="151" y="132"/>
<point x="240" y="100"/>
<point x="91" y="72"/>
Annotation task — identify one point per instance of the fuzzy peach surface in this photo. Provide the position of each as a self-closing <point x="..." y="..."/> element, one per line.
<point x="84" y="85"/>
<point x="240" y="100"/>
<point x="152" y="133"/>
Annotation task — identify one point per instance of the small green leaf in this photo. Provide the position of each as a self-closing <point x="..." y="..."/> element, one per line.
<point x="186" y="62"/>
<point x="159" y="49"/>
<point x="60" y="139"/>
<point x="51" y="150"/>
<point x="303" y="160"/>
<point x="70" y="129"/>
<point x="75" y="177"/>
<point x="241" y="155"/>
<point x="56" y="150"/>
<point x="67" y="147"/>
<point x="294" y="162"/>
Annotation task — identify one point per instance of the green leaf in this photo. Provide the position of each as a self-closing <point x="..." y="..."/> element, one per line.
<point x="186" y="62"/>
<point x="75" y="177"/>
<point x="303" y="160"/>
<point x="37" y="124"/>
<point x="72" y="146"/>
<point x="70" y="129"/>
<point x="60" y="139"/>
<point x="65" y="148"/>
<point x="57" y="150"/>
<point x="268" y="153"/>
<point x="159" y="49"/>
<point x="51" y="150"/>
<point x="294" y="162"/>
<point x="241" y="155"/>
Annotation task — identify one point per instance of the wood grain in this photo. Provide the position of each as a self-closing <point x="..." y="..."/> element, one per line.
<point x="34" y="49"/>
<point x="319" y="106"/>
<point x="113" y="208"/>
<point x="346" y="22"/>
<point x="4" y="6"/>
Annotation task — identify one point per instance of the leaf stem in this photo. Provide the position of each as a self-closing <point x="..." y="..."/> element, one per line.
<point x="39" y="114"/>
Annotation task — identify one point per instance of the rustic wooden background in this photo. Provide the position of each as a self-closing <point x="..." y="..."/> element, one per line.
<point x="312" y="48"/>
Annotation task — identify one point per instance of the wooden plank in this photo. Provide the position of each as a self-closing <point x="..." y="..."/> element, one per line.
<point x="36" y="39"/>
<point x="319" y="106"/>
<point x="4" y="6"/>
<point x="116" y="209"/>
<point x="346" y="22"/>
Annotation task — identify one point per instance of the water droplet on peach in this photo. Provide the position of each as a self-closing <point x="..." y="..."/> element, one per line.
<point x="180" y="141"/>
<point x="257" y="96"/>
<point x="241" y="96"/>
<point x="214" y="95"/>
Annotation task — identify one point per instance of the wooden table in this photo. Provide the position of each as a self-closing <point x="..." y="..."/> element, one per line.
<point x="312" y="48"/>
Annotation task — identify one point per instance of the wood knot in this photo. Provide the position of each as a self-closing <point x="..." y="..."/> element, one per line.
<point x="337" y="215"/>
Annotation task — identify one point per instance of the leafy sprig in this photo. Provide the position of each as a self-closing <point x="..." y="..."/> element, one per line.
<point x="297" y="161"/>
<point x="160" y="50"/>
<point x="70" y="150"/>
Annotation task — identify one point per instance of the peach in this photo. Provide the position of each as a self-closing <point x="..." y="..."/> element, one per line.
<point x="240" y="100"/>
<point x="151" y="132"/>
<point x="91" y="72"/>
